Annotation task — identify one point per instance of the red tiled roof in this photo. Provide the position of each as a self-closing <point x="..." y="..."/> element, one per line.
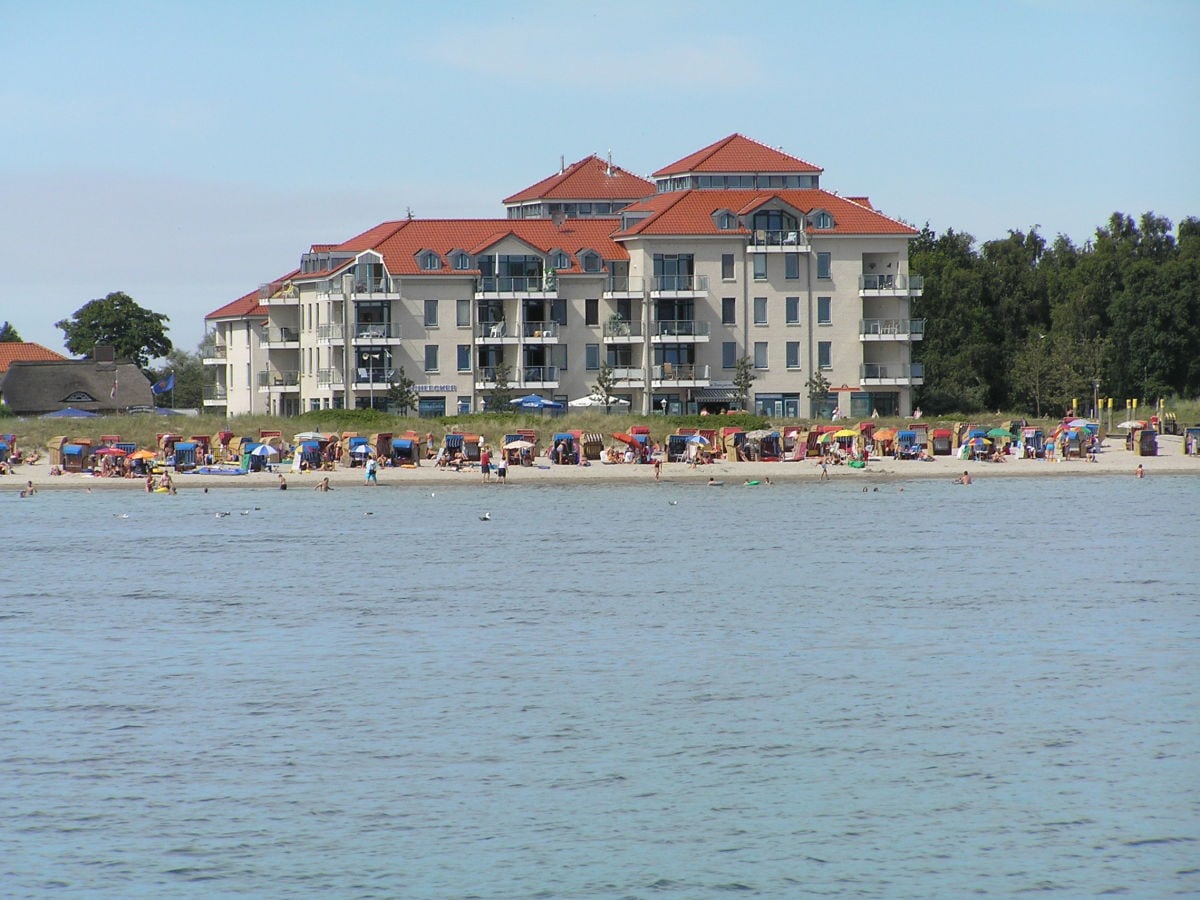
<point x="691" y="212"/>
<point x="25" y="351"/>
<point x="247" y="305"/>
<point x="588" y="179"/>
<point x="737" y="154"/>
<point x="861" y="201"/>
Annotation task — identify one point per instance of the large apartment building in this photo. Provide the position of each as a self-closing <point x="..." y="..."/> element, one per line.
<point x="734" y="251"/>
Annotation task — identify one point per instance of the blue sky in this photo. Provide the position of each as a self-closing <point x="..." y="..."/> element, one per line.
<point x="186" y="152"/>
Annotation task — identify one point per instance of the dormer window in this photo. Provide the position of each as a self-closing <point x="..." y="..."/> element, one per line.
<point x="822" y="221"/>
<point x="727" y="221"/>
<point x="430" y="262"/>
<point x="591" y="262"/>
<point x="559" y="260"/>
<point x="461" y="261"/>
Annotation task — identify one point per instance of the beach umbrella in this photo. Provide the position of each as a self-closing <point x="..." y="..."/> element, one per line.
<point x="1000" y="433"/>
<point x="519" y="445"/>
<point x="533" y="401"/>
<point x="362" y="450"/>
<point x="697" y="439"/>
<point x="844" y="433"/>
<point x="264" y="450"/>
<point x="1077" y="423"/>
<point x="142" y="454"/>
<point x="110" y="451"/>
<point x="597" y="401"/>
<point x="309" y="436"/>
<point x="626" y="439"/>
<point x="1132" y="423"/>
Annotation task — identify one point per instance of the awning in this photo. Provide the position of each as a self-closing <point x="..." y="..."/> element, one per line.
<point x="72" y="450"/>
<point x="454" y="441"/>
<point x="592" y="437"/>
<point x="402" y="443"/>
<point x="564" y="436"/>
<point x="906" y="436"/>
<point x="356" y="441"/>
<point x="942" y="433"/>
<point x="715" y="393"/>
<point x="185" y="445"/>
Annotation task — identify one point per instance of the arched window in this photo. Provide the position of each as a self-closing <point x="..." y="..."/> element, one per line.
<point x="775" y="220"/>
<point x="430" y="262"/>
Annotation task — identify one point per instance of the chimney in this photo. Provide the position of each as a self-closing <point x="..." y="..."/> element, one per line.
<point x="608" y="171"/>
<point x="562" y="163"/>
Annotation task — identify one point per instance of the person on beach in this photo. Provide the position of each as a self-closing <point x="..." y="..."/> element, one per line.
<point x="29" y="490"/>
<point x="282" y="483"/>
<point x="485" y="463"/>
<point x="323" y="485"/>
<point x="502" y="467"/>
<point x="372" y="477"/>
<point x="429" y="445"/>
<point x="964" y="479"/>
<point x="657" y="468"/>
<point x="824" y="469"/>
<point x="1139" y="471"/>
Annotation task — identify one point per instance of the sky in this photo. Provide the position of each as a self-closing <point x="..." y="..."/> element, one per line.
<point x="185" y="153"/>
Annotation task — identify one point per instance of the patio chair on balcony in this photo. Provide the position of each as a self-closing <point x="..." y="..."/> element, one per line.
<point x="668" y="371"/>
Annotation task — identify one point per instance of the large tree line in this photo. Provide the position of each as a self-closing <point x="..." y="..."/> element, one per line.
<point x="1019" y="325"/>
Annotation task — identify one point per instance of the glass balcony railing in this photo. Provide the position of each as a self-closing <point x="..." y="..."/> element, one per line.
<point x="540" y="329"/>
<point x="216" y="351"/>
<point x="794" y="239"/>
<point x="892" y="371"/>
<point x="216" y="392"/>
<point x="278" y="378"/>
<point x="327" y="333"/>
<point x="681" y="328"/>
<point x="514" y="284"/>
<point x="376" y="330"/>
<point x="893" y="283"/>
<point x="539" y="374"/>
<point x="624" y="284"/>
<point x="616" y="328"/>
<point x="891" y="327"/>
<point x="281" y="335"/>
<point x="680" y="372"/>
<point x="330" y="378"/>
<point x="684" y="283"/>
<point x="376" y="375"/>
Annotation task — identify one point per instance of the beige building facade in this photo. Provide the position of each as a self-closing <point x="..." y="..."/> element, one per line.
<point x="732" y="253"/>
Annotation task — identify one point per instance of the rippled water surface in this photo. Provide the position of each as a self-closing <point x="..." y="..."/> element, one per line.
<point x="621" y="691"/>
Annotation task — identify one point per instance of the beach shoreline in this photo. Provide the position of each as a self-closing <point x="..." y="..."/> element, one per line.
<point x="1113" y="461"/>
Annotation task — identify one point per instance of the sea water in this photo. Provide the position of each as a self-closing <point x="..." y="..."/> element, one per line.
<point x="603" y="691"/>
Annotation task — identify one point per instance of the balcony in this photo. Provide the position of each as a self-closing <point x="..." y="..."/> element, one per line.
<point x="875" y="374"/>
<point x="330" y="378"/>
<point x="891" y="329"/>
<point x="281" y="339"/>
<point x="366" y="333"/>
<point x="628" y="376"/>
<point x="215" y="395"/>
<point x="624" y="287"/>
<point x="679" y="286"/>
<point x="375" y="377"/>
<point x="778" y="242"/>
<point x="330" y="334"/>
<point x="680" y="331"/>
<point x="279" y="380"/>
<point x="890" y="285"/>
<point x="494" y="333"/>
<point x="216" y="355"/>
<point x="540" y="332"/>
<point x="539" y="376"/>
<point x="501" y="286"/>
<point x="618" y="331"/>
<point x="679" y="375"/>
<point x="279" y="295"/>
<point x="373" y="288"/>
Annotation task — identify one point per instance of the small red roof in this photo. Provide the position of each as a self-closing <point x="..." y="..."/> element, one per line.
<point x="691" y="212"/>
<point x="737" y="154"/>
<point x="589" y="179"/>
<point x="25" y="351"/>
<point x="242" y="307"/>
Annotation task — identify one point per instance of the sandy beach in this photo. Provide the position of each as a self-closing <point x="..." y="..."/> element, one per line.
<point x="1114" y="460"/>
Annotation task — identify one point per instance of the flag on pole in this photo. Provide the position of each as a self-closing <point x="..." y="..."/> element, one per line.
<point x="165" y="386"/>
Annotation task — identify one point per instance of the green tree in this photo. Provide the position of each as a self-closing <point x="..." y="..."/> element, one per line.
<point x="188" y="369"/>
<point x="137" y="334"/>
<point x="502" y="394"/>
<point x="605" y="382"/>
<point x="743" y="378"/>
<point x="8" y="334"/>
<point x="402" y="393"/>
<point x="817" y="386"/>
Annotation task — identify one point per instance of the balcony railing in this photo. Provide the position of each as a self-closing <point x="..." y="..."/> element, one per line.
<point x="216" y="352"/>
<point x="514" y="284"/>
<point x="540" y="329"/>
<point x="624" y="284"/>
<point x="278" y="378"/>
<point x="891" y="327"/>
<point x="216" y="392"/>
<point x="892" y="371"/>
<point x="680" y="372"/>
<point x="539" y="374"/>
<point x="621" y="374"/>
<point x="681" y="283"/>
<point x="894" y="283"/>
<point x="281" y="335"/>
<point x="621" y="328"/>
<point x="371" y="286"/>
<point x="796" y="240"/>
<point x="374" y="375"/>
<point x="376" y="330"/>
<point x="284" y="294"/>
<point x="330" y="378"/>
<point x="681" y="328"/>
<point x="328" y="333"/>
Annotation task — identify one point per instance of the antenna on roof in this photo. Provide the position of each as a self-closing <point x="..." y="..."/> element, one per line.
<point x="608" y="171"/>
<point x="408" y="213"/>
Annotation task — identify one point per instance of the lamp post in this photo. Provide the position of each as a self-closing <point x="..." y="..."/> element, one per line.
<point x="663" y="404"/>
<point x="1096" y="397"/>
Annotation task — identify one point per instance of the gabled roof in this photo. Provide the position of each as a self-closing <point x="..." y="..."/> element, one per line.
<point x="44" y="386"/>
<point x="589" y="179"/>
<point x="690" y="212"/>
<point x="242" y="307"/>
<point x="24" y="351"/>
<point x="737" y="154"/>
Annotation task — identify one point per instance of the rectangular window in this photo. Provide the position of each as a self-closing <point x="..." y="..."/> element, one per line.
<point x="760" y="310"/>
<point x="824" y="310"/>
<point x="792" y="354"/>
<point x="760" y="266"/>
<point x="558" y="356"/>
<point x="464" y="357"/>
<point x="591" y="359"/>
<point x="727" y="266"/>
<point x="728" y="355"/>
<point x="729" y="310"/>
<point x="431" y="358"/>
<point x="591" y="311"/>
<point x="791" y="310"/>
<point x="791" y="265"/>
<point x="760" y="354"/>
<point x="559" y="311"/>
<point x="825" y="354"/>
<point x="462" y="313"/>
<point x="824" y="265"/>
<point x="431" y="313"/>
